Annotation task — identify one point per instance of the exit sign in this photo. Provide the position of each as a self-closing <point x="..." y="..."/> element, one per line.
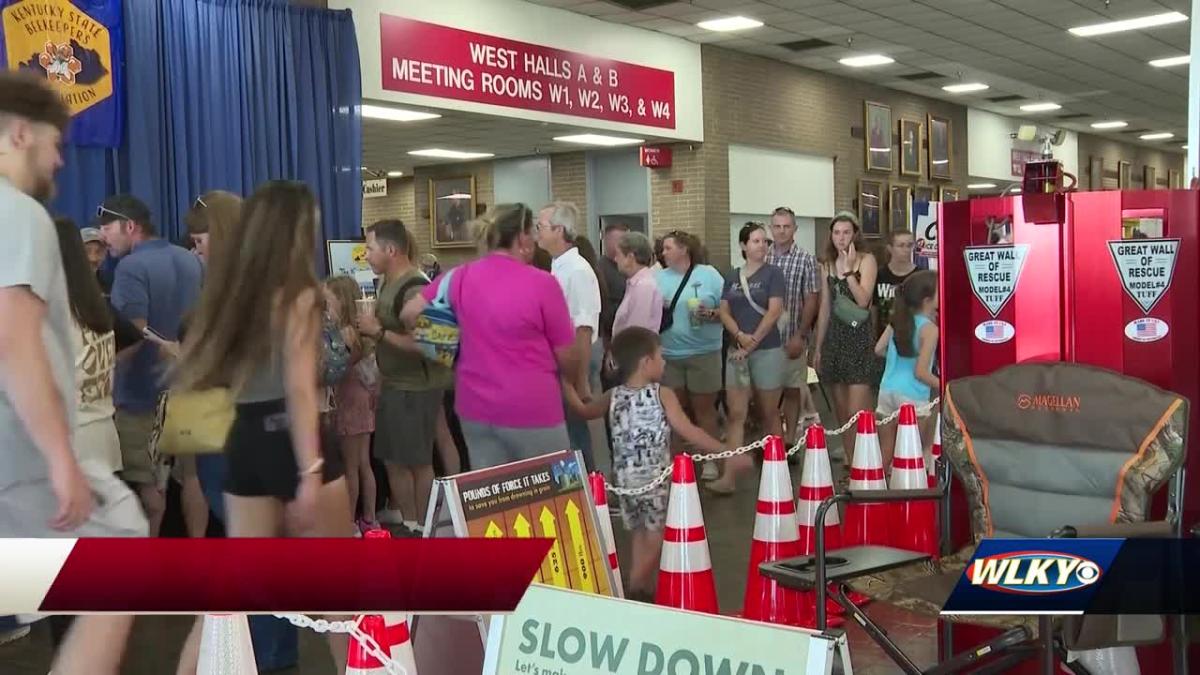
<point x="655" y="157"/>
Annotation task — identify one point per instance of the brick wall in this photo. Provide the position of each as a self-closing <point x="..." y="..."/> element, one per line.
<point x="568" y="181"/>
<point x="408" y="197"/>
<point x="397" y="204"/>
<point x="756" y="101"/>
<point x="1113" y="151"/>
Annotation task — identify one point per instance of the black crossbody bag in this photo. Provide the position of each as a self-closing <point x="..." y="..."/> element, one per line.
<point x="668" y="317"/>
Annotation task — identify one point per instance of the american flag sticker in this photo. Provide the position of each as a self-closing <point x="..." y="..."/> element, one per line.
<point x="995" y="332"/>
<point x="1146" y="329"/>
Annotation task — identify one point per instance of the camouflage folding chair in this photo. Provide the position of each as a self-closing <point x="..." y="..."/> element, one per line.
<point x="1042" y="449"/>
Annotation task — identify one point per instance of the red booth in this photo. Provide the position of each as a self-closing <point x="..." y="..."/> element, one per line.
<point x="1104" y="278"/>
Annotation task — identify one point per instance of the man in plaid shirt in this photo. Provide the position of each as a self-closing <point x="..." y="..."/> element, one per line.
<point x="800" y="306"/>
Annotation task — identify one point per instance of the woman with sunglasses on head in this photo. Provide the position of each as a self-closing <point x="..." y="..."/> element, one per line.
<point x="258" y="332"/>
<point x="513" y="319"/>
<point x="751" y="307"/>
<point x="691" y="327"/>
<point x="845" y="353"/>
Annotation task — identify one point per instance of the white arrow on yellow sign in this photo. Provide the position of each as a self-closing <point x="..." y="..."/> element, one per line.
<point x="582" y="559"/>
<point x="557" y="573"/>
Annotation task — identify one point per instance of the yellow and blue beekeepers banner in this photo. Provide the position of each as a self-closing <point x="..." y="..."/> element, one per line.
<point x="78" y="46"/>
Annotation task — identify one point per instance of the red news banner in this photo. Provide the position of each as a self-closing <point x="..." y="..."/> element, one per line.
<point x="432" y="60"/>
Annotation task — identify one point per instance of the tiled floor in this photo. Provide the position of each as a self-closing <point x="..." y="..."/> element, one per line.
<point x="154" y="647"/>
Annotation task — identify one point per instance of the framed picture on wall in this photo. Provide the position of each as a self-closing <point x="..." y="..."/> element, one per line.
<point x="636" y="222"/>
<point x="1150" y="177"/>
<point x="451" y="210"/>
<point x="912" y="134"/>
<point x="900" y="203"/>
<point x="1124" y="177"/>
<point x="924" y="193"/>
<point x="877" y="132"/>
<point x="1096" y="173"/>
<point x="1174" y="180"/>
<point x="939" y="147"/>
<point x="949" y="194"/>
<point x="870" y="206"/>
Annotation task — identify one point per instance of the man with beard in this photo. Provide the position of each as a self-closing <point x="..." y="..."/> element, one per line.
<point x="44" y="492"/>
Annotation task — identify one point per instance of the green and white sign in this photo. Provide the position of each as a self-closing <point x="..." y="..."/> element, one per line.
<point x="562" y="632"/>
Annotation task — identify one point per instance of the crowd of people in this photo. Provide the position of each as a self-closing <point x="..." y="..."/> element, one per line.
<point x="102" y="323"/>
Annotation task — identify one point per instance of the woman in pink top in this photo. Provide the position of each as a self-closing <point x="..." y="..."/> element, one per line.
<point x="643" y="302"/>
<point x="516" y="337"/>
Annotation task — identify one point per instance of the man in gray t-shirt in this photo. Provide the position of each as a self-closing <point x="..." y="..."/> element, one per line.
<point x="43" y="490"/>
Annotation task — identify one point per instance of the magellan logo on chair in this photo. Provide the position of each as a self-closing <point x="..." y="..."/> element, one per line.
<point x="1033" y="572"/>
<point x="1050" y="402"/>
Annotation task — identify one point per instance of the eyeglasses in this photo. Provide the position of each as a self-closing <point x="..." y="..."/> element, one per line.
<point x="101" y="210"/>
<point x="199" y="203"/>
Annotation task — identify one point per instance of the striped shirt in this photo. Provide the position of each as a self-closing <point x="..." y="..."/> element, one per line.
<point x="800" y="273"/>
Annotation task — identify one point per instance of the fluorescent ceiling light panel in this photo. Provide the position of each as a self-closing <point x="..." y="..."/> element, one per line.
<point x="1128" y="24"/>
<point x="456" y="195"/>
<point x="1172" y="61"/>
<point x="965" y="88"/>
<point x="378" y="112"/>
<point x="866" y="60"/>
<point x="395" y="174"/>
<point x="1040" y="107"/>
<point x="598" y="139"/>
<point x="981" y="186"/>
<point x="1157" y="136"/>
<point x="1114" y="124"/>
<point x="729" y="23"/>
<point x="450" y="154"/>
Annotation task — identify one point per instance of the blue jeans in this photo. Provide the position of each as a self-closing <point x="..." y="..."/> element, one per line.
<point x="276" y="643"/>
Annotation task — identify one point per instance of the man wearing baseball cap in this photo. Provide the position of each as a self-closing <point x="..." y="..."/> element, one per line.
<point x="155" y="285"/>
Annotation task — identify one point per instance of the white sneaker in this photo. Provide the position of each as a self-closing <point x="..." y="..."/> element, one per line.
<point x="390" y="517"/>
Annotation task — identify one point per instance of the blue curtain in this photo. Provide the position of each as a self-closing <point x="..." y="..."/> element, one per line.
<point x="227" y="94"/>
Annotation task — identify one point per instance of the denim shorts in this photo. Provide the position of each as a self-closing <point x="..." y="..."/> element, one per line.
<point x="762" y="370"/>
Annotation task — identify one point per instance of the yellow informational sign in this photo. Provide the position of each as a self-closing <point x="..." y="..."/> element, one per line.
<point x="59" y="39"/>
<point x="545" y="496"/>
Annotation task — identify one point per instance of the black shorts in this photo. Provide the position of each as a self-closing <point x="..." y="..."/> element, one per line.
<point x="261" y="459"/>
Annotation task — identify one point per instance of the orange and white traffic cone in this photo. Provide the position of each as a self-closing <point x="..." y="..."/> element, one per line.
<point x="936" y="451"/>
<point x="390" y="634"/>
<point x="868" y="524"/>
<point x="600" y="499"/>
<point x="816" y="484"/>
<point x="225" y="647"/>
<point x="776" y="536"/>
<point x="685" y="574"/>
<point x="916" y="521"/>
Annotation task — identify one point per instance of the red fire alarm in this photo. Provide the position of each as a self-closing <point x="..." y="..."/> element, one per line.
<point x="655" y="156"/>
<point x="677" y="187"/>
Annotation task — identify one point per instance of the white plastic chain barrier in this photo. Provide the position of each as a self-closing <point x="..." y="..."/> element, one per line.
<point x="350" y="627"/>
<point x="922" y="411"/>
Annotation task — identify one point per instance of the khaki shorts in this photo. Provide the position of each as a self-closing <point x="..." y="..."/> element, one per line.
<point x="762" y="370"/>
<point x="795" y="371"/>
<point x="134" y="430"/>
<point x="700" y="374"/>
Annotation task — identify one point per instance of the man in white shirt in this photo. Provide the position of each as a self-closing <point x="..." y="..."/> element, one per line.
<point x="556" y="231"/>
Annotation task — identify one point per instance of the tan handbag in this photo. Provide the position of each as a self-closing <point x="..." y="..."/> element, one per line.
<point x="193" y="422"/>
